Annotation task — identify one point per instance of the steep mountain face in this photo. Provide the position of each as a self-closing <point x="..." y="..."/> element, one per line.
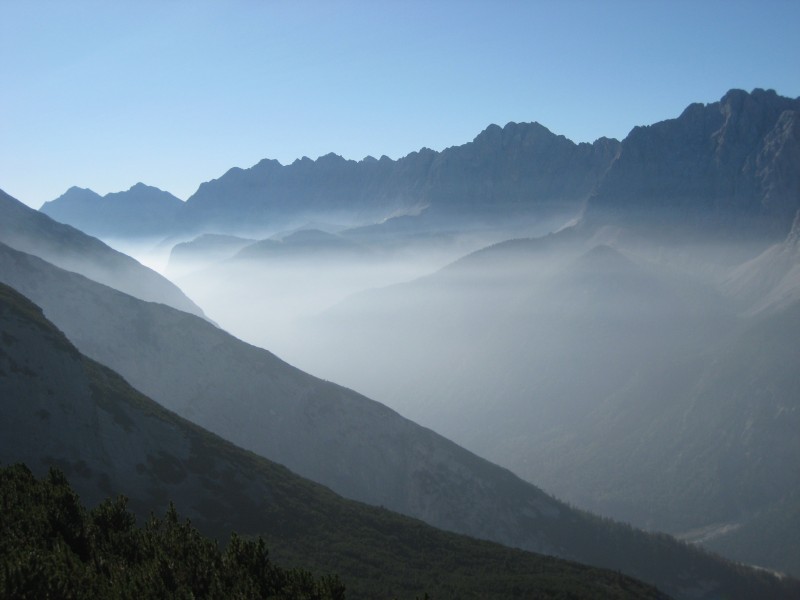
<point x="726" y="167"/>
<point x="141" y="211"/>
<point x="512" y="168"/>
<point x="245" y="394"/>
<point x="770" y="281"/>
<point x="337" y="437"/>
<point x="62" y="409"/>
<point x="518" y="168"/>
<point x="623" y="386"/>
<point x="729" y="167"/>
<point x="30" y="231"/>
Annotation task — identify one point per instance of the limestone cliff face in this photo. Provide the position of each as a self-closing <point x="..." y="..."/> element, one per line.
<point x="731" y="165"/>
<point x="728" y="166"/>
<point x="522" y="166"/>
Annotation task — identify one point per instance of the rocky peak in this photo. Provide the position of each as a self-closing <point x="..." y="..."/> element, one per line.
<point x="729" y="165"/>
<point x="746" y="118"/>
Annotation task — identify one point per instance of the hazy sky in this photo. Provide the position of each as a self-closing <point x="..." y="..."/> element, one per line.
<point x="104" y="94"/>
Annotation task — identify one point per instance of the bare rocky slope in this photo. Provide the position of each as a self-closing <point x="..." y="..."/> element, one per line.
<point x="729" y="167"/>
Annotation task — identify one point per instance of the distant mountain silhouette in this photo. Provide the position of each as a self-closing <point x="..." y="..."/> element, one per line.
<point x="727" y="167"/>
<point x="517" y="169"/>
<point x="141" y="211"/>
<point x="305" y="244"/>
<point x="31" y="231"/>
<point x="60" y="408"/>
<point x="337" y="437"/>
<point x="202" y="251"/>
<point x="520" y="167"/>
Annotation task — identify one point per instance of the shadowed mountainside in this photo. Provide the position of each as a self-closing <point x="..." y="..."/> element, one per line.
<point x="620" y="384"/>
<point x="30" y="231"/>
<point x="344" y="440"/>
<point x="62" y="409"/>
<point x="521" y="168"/>
<point x="729" y="167"/>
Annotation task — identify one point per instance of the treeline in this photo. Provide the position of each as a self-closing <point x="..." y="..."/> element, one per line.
<point x="53" y="547"/>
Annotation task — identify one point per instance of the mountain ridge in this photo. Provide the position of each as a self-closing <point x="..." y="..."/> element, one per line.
<point x="31" y="231"/>
<point x="717" y="164"/>
<point x="62" y="409"/>
<point x="729" y="166"/>
<point x="140" y="211"/>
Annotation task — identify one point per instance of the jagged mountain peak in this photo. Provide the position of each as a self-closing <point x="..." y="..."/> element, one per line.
<point x="729" y="164"/>
<point x="142" y="188"/>
<point x="513" y="132"/>
<point x="728" y="167"/>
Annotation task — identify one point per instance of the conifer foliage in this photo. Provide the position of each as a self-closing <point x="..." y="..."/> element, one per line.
<point x="52" y="547"/>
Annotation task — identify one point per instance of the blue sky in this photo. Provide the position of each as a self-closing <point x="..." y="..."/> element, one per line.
<point x="104" y="94"/>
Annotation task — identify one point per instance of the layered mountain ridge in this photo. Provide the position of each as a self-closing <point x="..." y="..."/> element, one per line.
<point x="638" y="362"/>
<point x="342" y="439"/>
<point x="31" y="231"/>
<point x="519" y="168"/>
<point x="62" y="409"/>
<point x="712" y="168"/>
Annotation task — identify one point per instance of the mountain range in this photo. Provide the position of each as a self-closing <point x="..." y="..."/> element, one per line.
<point x="141" y="211"/>
<point x="339" y="438"/>
<point x="637" y="360"/>
<point x="535" y="352"/>
<point x="503" y="173"/>
<point x="727" y="166"/>
<point x="31" y="231"/>
<point x="62" y="409"/>
<point x="626" y="386"/>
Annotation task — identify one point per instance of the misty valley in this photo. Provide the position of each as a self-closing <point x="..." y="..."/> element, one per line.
<point x="518" y="367"/>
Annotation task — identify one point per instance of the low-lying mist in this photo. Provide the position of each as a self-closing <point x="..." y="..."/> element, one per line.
<point x="614" y="370"/>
